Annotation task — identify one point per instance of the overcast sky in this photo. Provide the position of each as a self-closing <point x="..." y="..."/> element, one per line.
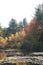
<point x="17" y="9"/>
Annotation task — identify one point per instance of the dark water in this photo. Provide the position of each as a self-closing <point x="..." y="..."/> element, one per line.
<point x="19" y="64"/>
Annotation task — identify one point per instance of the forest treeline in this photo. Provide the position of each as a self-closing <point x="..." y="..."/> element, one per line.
<point x="24" y="35"/>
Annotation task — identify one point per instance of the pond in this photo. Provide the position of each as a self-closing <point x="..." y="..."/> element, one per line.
<point x="17" y="57"/>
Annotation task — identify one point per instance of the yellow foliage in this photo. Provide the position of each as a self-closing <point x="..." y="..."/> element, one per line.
<point x="16" y="35"/>
<point x="6" y="38"/>
<point x="3" y="41"/>
<point x="22" y="33"/>
<point x="12" y="36"/>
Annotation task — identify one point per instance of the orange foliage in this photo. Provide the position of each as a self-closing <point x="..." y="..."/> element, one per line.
<point x="30" y="26"/>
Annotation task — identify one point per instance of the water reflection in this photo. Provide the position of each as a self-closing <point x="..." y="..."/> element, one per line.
<point x="12" y="52"/>
<point x="14" y="57"/>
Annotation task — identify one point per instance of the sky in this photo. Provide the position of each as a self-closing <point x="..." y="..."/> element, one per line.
<point x="17" y="9"/>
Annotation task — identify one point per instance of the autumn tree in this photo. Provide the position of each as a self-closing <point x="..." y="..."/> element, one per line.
<point x="35" y="36"/>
